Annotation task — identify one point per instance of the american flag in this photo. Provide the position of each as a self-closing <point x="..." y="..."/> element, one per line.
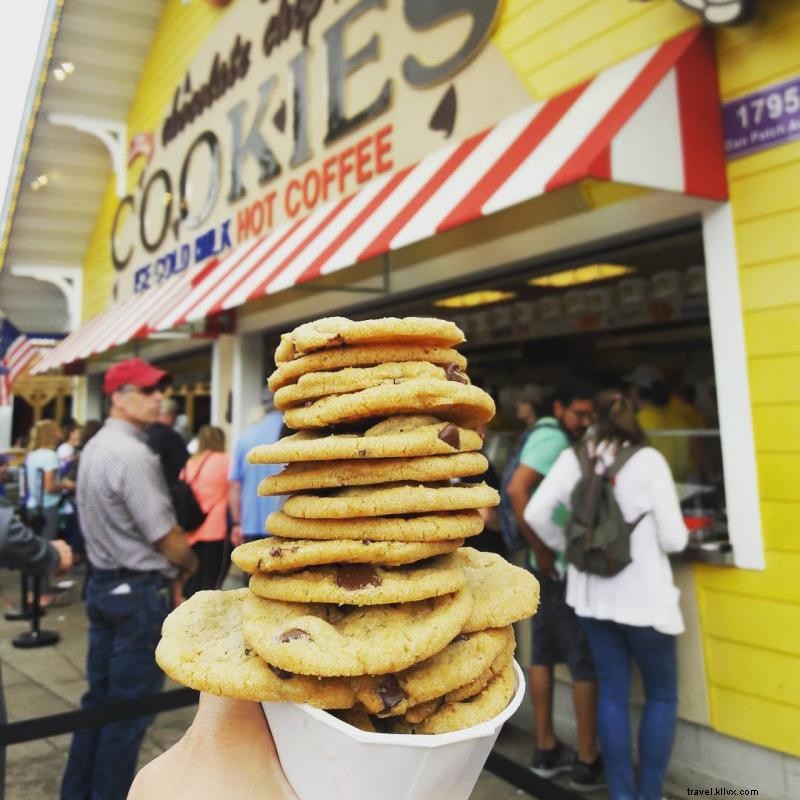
<point x="16" y="353"/>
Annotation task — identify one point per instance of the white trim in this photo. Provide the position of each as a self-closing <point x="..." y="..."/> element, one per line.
<point x="221" y="382"/>
<point x="247" y="377"/>
<point x="111" y="132"/>
<point x="733" y="388"/>
<point x="68" y="279"/>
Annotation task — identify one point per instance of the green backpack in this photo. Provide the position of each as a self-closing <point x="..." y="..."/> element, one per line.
<point x="598" y="536"/>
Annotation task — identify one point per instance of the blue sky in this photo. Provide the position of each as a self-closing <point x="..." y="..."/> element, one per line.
<point x="20" y="30"/>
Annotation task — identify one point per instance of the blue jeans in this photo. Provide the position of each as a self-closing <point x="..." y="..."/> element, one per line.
<point x="124" y="629"/>
<point x="613" y="646"/>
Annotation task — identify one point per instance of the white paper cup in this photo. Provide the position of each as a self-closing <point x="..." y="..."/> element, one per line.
<point x="326" y="759"/>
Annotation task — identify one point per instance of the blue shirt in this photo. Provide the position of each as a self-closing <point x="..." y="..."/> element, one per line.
<point x="47" y="461"/>
<point x="256" y="509"/>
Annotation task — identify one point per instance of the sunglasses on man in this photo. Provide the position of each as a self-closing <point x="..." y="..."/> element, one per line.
<point x="145" y="390"/>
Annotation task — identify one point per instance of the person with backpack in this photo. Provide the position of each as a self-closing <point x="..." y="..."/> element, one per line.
<point x="557" y="635"/>
<point x="610" y="504"/>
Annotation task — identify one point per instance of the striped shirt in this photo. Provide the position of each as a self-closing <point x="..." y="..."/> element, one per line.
<point x="123" y="501"/>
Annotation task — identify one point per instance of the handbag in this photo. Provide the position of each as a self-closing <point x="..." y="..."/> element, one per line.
<point x="189" y="514"/>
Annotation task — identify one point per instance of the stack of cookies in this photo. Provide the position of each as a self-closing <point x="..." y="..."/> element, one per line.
<point x="364" y="598"/>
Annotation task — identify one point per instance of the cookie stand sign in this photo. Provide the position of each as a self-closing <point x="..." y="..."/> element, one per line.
<point x="763" y="119"/>
<point x="327" y="759"/>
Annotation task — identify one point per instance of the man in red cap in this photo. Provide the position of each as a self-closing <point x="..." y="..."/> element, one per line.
<point x="137" y="555"/>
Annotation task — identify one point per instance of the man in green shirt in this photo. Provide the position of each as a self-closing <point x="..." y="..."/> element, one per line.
<point x="557" y="636"/>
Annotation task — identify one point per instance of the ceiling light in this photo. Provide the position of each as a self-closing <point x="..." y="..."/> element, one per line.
<point x="37" y="183"/>
<point x="475" y="299"/>
<point x="587" y="274"/>
<point x="59" y="73"/>
<point x="68" y="67"/>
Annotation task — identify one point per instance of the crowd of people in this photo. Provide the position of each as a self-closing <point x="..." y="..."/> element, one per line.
<point x="105" y="494"/>
<point x="601" y="621"/>
<point x="109" y="490"/>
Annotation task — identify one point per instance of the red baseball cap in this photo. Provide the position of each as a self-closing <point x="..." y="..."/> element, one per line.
<point x="134" y="372"/>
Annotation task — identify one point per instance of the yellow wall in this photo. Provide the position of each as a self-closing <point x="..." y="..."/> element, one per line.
<point x="180" y="33"/>
<point x="751" y="619"/>
<point x="555" y="45"/>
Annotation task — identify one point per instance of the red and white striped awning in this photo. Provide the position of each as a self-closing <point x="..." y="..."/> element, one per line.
<point x="134" y="318"/>
<point x="652" y="120"/>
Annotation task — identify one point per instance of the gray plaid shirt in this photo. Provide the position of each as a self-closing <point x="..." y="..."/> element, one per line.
<point x="123" y="501"/>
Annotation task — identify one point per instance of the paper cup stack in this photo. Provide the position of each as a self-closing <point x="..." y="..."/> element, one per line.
<point x="364" y="599"/>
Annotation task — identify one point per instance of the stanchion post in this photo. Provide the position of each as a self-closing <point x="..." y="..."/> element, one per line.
<point x="36" y="637"/>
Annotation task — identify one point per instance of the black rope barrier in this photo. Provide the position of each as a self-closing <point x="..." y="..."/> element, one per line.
<point x="29" y="730"/>
<point x="520" y="777"/>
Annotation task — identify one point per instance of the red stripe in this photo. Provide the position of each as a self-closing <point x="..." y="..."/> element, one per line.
<point x="287" y="262"/>
<point x="175" y="292"/>
<point x="471" y="206"/>
<point x="383" y="241"/>
<point x="280" y="239"/>
<point x="18" y="343"/>
<point x="203" y="292"/>
<point x="20" y="363"/>
<point x="19" y="354"/>
<point x="600" y="168"/>
<point x="663" y="60"/>
<point x="314" y="270"/>
<point x="702" y="136"/>
<point x="200" y="275"/>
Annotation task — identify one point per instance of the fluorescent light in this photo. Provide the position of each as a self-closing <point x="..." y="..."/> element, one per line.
<point x="68" y="67"/>
<point x="578" y="275"/>
<point x="59" y="73"/>
<point x="475" y="299"/>
<point x="37" y="183"/>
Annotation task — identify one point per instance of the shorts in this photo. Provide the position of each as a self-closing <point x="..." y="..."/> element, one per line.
<point x="557" y="635"/>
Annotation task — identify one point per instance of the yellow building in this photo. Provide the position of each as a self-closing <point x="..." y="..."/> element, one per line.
<point x="253" y="191"/>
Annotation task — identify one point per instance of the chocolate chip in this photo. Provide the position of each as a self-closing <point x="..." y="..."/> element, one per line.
<point x="390" y="692"/>
<point x="362" y="453"/>
<point x="293" y="633"/>
<point x="276" y="552"/>
<point x="247" y="652"/>
<point x="281" y="673"/>
<point x="451" y="435"/>
<point x="453" y="373"/>
<point x="357" y="576"/>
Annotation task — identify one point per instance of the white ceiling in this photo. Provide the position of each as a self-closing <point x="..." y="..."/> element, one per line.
<point x="108" y="41"/>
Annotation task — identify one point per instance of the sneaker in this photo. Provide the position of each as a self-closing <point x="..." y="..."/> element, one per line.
<point x="547" y="763"/>
<point x="588" y="777"/>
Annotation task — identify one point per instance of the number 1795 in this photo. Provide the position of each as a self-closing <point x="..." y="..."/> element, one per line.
<point x="774" y="105"/>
